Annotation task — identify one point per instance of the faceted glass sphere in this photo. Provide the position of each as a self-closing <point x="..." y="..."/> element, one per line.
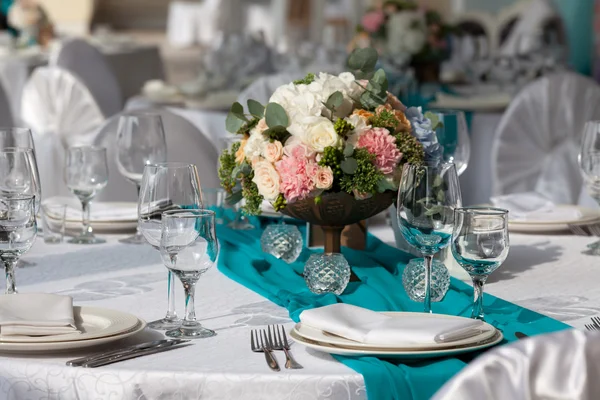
<point x="282" y="241"/>
<point x="327" y="273"/>
<point x="413" y="280"/>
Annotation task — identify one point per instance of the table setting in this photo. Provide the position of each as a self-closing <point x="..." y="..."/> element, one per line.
<point x="88" y="312"/>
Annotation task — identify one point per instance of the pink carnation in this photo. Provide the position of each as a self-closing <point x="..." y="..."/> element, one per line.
<point x="379" y="142"/>
<point x="372" y="21"/>
<point x="297" y="172"/>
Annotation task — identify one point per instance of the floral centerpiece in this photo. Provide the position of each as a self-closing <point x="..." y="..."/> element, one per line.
<point x="32" y="22"/>
<point x="400" y="30"/>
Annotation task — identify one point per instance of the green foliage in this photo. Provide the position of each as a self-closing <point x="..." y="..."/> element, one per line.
<point x="332" y="158"/>
<point x="343" y="127"/>
<point x="385" y="119"/>
<point x="277" y="133"/>
<point x="375" y="93"/>
<point x="276" y="116"/>
<point x="251" y="195"/>
<point x="366" y="178"/>
<point x="226" y="167"/>
<point x="248" y="126"/>
<point x="256" y="109"/>
<point x="334" y="101"/>
<point x="435" y="120"/>
<point x="236" y="118"/>
<point x="412" y="151"/>
<point x="349" y="166"/>
<point x="362" y="62"/>
<point x="307" y="80"/>
<point x="279" y="203"/>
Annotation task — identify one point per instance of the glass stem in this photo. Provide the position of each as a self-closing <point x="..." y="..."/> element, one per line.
<point x="85" y="218"/>
<point x="190" y="308"/>
<point x="478" y="284"/>
<point x="428" y="266"/>
<point x="11" y="283"/>
<point x="138" y="232"/>
<point x="171" y="313"/>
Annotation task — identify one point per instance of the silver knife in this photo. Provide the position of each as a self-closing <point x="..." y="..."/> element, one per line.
<point x="134" y="354"/>
<point x="142" y="346"/>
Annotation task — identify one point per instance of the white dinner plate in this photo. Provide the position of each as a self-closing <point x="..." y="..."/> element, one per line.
<point x="93" y="323"/>
<point x="397" y="354"/>
<point x="588" y="216"/>
<point x="317" y="335"/>
<point x="100" y="224"/>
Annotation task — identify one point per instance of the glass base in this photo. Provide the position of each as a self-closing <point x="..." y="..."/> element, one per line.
<point x="191" y="331"/>
<point x="52" y="240"/>
<point x="165" y="324"/>
<point x="135" y="239"/>
<point x="86" y="240"/>
<point x="25" y="264"/>
<point x="241" y="225"/>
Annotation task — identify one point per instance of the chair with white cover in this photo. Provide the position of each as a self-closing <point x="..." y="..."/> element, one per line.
<point x="6" y="117"/>
<point x="61" y="112"/>
<point x="563" y="365"/>
<point x="185" y="143"/>
<point x="93" y="70"/>
<point x="537" y="141"/>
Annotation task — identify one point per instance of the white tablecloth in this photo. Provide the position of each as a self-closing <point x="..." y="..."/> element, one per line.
<point x="545" y="273"/>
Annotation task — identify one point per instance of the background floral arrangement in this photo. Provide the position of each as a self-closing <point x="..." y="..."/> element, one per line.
<point x="400" y="28"/>
<point x="325" y="133"/>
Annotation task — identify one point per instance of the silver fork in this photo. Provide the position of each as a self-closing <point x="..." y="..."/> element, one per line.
<point x="260" y="344"/>
<point x="592" y="327"/>
<point x="596" y="321"/>
<point x="280" y="342"/>
<point x="578" y="230"/>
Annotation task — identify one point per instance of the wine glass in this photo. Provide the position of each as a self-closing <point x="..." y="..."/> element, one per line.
<point x="18" y="230"/>
<point x="427" y="197"/>
<point x="189" y="248"/>
<point x="589" y="163"/>
<point x="140" y="142"/>
<point x="166" y="186"/>
<point x="453" y="135"/>
<point x="16" y="137"/>
<point x="86" y="174"/>
<point x="18" y="173"/>
<point x="480" y="245"/>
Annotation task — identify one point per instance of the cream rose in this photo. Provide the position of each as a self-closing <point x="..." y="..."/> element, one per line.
<point x="324" y="178"/>
<point x="261" y="126"/>
<point x="273" y="151"/>
<point x="322" y="134"/>
<point x="240" y="154"/>
<point x="266" y="179"/>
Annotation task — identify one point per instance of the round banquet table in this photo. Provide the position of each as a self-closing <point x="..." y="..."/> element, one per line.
<point x="544" y="273"/>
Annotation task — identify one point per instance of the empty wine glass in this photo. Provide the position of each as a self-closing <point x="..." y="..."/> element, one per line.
<point x="18" y="173"/>
<point x="86" y="174"/>
<point x="166" y="186"/>
<point x="189" y="248"/>
<point x="589" y="163"/>
<point x="453" y="136"/>
<point x="18" y="230"/>
<point x="480" y="245"/>
<point x="140" y="142"/>
<point x="16" y="137"/>
<point x="427" y="197"/>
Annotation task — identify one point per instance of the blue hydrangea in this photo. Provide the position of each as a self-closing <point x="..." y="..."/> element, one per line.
<point x="422" y="129"/>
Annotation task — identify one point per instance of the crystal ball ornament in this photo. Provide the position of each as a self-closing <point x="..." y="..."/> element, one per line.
<point x="282" y="241"/>
<point x="327" y="273"/>
<point x="413" y="280"/>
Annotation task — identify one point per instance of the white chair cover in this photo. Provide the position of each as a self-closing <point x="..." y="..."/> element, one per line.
<point x="61" y="112"/>
<point x="558" y="366"/>
<point x="185" y="143"/>
<point x="530" y="22"/>
<point x="6" y="117"/>
<point x="538" y="138"/>
<point x="93" y="70"/>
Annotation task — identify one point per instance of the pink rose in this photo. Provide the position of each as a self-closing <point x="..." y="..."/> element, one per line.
<point x="373" y="21"/>
<point x="324" y="178"/>
<point x="382" y="145"/>
<point x="273" y="151"/>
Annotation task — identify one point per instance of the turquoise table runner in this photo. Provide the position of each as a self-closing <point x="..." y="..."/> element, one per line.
<point x="380" y="269"/>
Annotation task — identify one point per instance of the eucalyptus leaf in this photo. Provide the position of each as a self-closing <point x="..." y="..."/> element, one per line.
<point x="435" y="120"/>
<point x="381" y="79"/>
<point x="349" y="166"/>
<point x="438" y="181"/>
<point x="384" y="185"/>
<point x="335" y="100"/>
<point x="243" y="169"/>
<point x="256" y="109"/>
<point x="233" y="123"/>
<point x="234" y="198"/>
<point x="275" y="115"/>
<point x="348" y="150"/>
<point x="363" y="59"/>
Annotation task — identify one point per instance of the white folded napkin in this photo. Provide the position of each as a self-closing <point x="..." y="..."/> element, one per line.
<point x="370" y="327"/>
<point x="99" y="212"/>
<point x="36" y="314"/>
<point x="532" y="206"/>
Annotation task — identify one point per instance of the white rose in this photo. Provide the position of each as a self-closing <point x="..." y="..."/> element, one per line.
<point x="322" y="134"/>
<point x="266" y="179"/>
<point x="272" y="151"/>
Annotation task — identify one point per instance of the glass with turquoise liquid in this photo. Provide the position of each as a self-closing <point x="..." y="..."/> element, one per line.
<point x="427" y="197"/>
<point x="480" y="244"/>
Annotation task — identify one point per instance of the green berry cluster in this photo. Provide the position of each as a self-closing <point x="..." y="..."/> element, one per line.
<point x="279" y="203"/>
<point x="332" y="158"/>
<point x="366" y="177"/>
<point x="253" y="198"/>
<point x="343" y="127"/>
<point x="385" y="119"/>
<point x="411" y="149"/>
<point x="307" y="80"/>
<point x="226" y="166"/>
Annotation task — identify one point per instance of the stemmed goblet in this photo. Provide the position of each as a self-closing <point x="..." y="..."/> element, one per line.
<point x="86" y="174"/>
<point x="480" y="244"/>
<point x="18" y="173"/>
<point x="189" y="248"/>
<point x="427" y="197"/>
<point x="140" y="142"/>
<point x="589" y="163"/>
<point x="453" y="135"/>
<point x="18" y="230"/>
<point x="165" y="187"/>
